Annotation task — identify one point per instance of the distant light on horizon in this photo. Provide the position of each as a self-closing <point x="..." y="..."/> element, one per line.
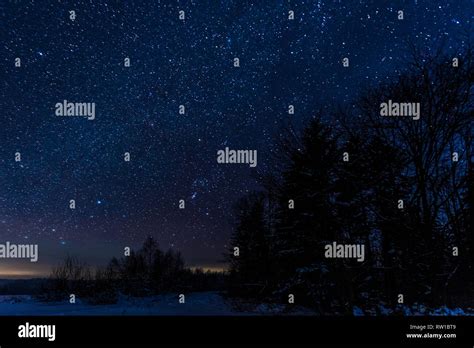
<point x="15" y="272"/>
<point x="24" y="271"/>
<point x="212" y="268"/>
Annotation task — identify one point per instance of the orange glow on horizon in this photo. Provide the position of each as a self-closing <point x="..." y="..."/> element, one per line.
<point x="43" y="271"/>
<point x="21" y="275"/>
<point x="212" y="268"/>
<point x="14" y="272"/>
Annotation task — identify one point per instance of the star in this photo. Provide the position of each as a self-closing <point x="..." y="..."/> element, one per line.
<point x="172" y="156"/>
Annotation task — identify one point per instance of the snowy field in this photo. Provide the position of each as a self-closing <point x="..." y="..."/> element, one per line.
<point x="200" y="303"/>
<point x="414" y="310"/>
<point x="197" y="304"/>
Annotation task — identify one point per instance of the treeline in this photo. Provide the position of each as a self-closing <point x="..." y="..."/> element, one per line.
<point x="402" y="187"/>
<point x="145" y="272"/>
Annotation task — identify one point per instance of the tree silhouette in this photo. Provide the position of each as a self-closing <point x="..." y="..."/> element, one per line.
<point x="402" y="187"/>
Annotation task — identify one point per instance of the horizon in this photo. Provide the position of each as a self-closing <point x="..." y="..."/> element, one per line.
<point x="25" y="275"/>
<point x="94" y="254"/>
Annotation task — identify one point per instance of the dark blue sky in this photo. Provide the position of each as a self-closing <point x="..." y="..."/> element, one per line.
<point x="175" y="62"/>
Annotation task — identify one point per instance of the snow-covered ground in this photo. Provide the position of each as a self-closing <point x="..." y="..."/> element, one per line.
<point x="200" y="303"/>
<point x="414" y="310"/>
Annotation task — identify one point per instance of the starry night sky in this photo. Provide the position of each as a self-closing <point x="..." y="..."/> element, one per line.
<point x="175" y="62"/>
